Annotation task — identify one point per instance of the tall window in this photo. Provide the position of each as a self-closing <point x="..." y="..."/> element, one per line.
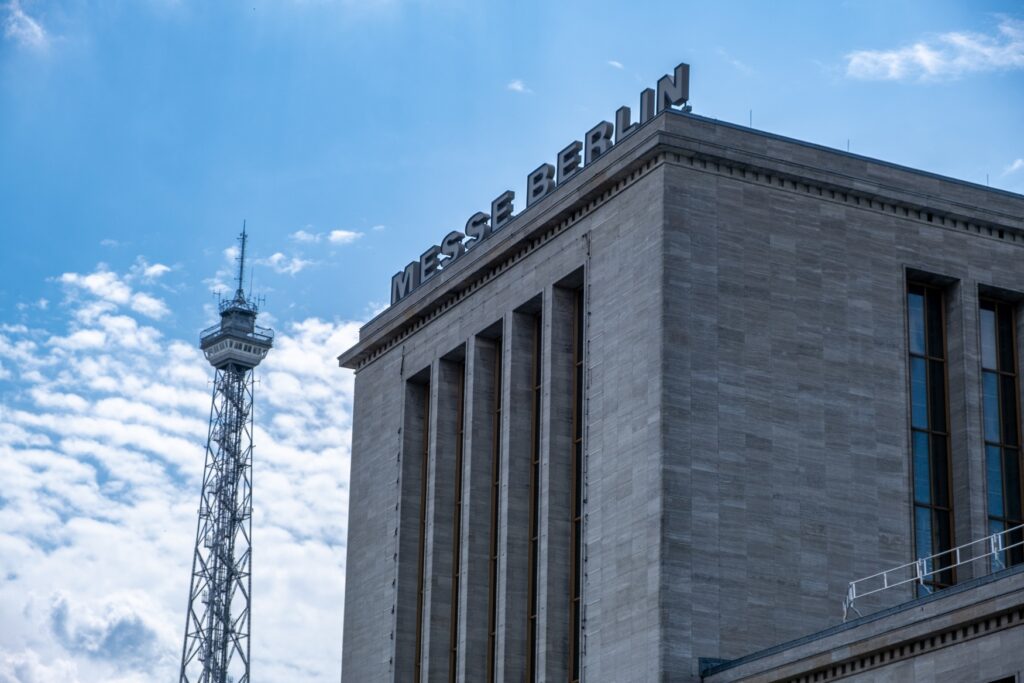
<point x="492" y="604"/>
<point x="576" y="491"/>
<point x="1001" y="423"/>
<point x="453" y="650"/>
<point x="531" y="623"/>
<point x="424" y="468"/>
<point x="929" y="422"/>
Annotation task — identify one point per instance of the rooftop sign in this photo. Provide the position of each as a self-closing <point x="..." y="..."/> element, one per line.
<point x="671" y="91"/>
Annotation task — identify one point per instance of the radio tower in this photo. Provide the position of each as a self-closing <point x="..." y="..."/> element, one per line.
<point x="217" y="642"/>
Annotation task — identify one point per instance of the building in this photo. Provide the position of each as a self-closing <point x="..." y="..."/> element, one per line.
<point x="652" y="426"/>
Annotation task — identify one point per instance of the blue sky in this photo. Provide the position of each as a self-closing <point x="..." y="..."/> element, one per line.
<point x="136" y="136"/>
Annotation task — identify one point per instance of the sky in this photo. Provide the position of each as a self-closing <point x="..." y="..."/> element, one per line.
<point x="135" y="138"/>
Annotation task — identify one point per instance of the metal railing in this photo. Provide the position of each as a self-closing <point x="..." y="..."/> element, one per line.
<point x="259" y="334"/>
<point x="920" y="570"/>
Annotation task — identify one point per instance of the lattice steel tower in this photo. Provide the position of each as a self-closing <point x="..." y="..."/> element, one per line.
<point x="217" y="625"/>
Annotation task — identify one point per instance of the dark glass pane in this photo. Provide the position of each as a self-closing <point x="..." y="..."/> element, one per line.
<point x="922" y="469"/>
<point x="579" y="322"/>
<point x="940" y="471"/>
<point x="1008" y="400"/>
<point x="943" y="542"/>
<point x="1006" y="338"/>
<point x="578" y="407"/>
<point x="1011" y="488"/>
<point x="576" y="644"/>
<point x="923" y="531"/>
<point x="1015" y="541"/>
<point x="933" y="321"/>
<point x="988" y="338"/>
<point x="577" y="494"/>
<point x="990" y="399"/>
<point x="915" y="323"/>
<point x="994" y="479"/>
<point x="918" y="394"/>
<point x="937" y="398"/>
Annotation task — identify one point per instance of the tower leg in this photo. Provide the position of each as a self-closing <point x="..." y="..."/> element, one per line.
<point x="217" y="623"/>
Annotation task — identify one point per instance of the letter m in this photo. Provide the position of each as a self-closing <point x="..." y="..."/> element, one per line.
<point x="404" y="281"/>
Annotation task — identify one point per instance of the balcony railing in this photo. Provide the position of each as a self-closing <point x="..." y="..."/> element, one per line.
<point x="921" y="570"/>
<point x="257" y="334"/>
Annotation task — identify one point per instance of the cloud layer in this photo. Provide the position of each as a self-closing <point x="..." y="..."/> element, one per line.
<point x="949" y="55"/>
<point x="102" y="431"/>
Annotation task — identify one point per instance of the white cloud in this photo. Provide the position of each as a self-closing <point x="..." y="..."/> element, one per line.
<point x="518" y="86"/>
<point x="284" y="264"/>
<point x="87" y="313"/>
<point x="343" y="236"/>
<point x="113" y="291"/>
<point x="304" y="236"/>
<point x="1017" y="165"/>
<point x="219" y="283"/>
<point x="103" y="284"/>
<point x="615" y="65"/>
<point x="23" y="29"/>
<point x="82" y="339"/>
<point x="29" y="667"/>
<point x="148" y="305"/>
<point x="101" y="455"/>
<point x="109" y="243"/>
<point x="948" y="55"/>
<point x="334" y="236"/>
<point x="152" y="272"/>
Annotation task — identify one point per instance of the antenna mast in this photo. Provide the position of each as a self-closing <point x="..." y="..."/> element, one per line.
<point x="239" y="293"/>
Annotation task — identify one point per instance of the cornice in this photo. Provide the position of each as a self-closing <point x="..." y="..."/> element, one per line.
<point x="671" y="138"/>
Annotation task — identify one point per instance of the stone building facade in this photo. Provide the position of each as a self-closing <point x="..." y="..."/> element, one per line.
<point x="669" y="412"/>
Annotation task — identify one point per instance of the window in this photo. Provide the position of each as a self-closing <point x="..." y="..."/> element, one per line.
<point x="413" y="469"/>
<point x="1001" y="423"/>
<point x="531" y="623"/>
<point x="929" y="431"/>
<point x="453" y="656"/>
<point x="492" y="605"/>
<point x="424" y="467"/>
<point x="576" y="491"/>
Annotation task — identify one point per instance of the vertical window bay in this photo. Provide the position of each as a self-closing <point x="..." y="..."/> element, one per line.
<point x="576" y="491"/>
<point x="929" y="437"/>
<point x="460" y="418"/>
<point x="492" y="579"/>
<point x="1001" y="420"/>
<point x="420" y="587"/>
<point x="535" y="485"/>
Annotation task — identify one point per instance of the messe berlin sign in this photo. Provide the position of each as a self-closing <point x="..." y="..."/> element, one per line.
<point x="672" y="91"/>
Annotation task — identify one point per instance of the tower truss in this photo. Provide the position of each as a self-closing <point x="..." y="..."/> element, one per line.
<point x="218" y="620"/>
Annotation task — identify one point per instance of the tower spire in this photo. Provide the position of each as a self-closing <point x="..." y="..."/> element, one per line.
<point x="217" y="622"/>
<point x="240" y="293"/>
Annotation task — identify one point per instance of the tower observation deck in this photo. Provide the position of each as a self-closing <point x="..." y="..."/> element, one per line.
<point x="217" y="624"/>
